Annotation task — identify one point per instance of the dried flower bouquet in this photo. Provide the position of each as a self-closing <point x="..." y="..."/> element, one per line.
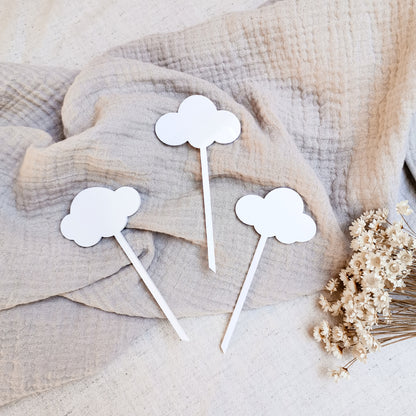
<point x="374" y="297"/>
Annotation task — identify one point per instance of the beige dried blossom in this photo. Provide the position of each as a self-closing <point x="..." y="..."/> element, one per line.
<point x="393" y="267"/>
<point x="336" y="308"/>
<point x="403" y="208"/>
<point x="371" y="282"/>
<point x="400" y="239"/>
<point x="317" y="334"/>
<point x="338" y="333"/>
<point x="340" y="373"/>
<point x="404" y="257"/>
<point x="358" y="261"/>
<point x="360" y="352"/>
<point x="335" y="350"/>
<point x="355" y="244"/>
<point x="332" y="285"/>
<point x="357" y="227"/>
<point x="367" y="241"/>
<point x="374" y="260"/>
<point x="370" y="297"/>
<point x="323" y="302"/>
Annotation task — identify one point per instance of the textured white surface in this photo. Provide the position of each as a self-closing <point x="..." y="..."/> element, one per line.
<point x="70" y="33"/>
<point x="275" y="367"/>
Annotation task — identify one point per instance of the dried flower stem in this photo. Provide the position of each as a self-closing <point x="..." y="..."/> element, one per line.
<point x="374" y="297"/>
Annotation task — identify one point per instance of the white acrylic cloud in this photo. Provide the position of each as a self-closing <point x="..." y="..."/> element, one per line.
<point x="279" y="214"/>
<point x="198" y="122"/>
<point x="99" y="212"/>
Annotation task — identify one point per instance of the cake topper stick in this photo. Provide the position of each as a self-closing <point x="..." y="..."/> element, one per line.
<point x="279" y="214"/>
<point x="100" y="212"/>
<point x="243" y="293"/>
<point x="209" y="230"/>
<point x="151" y="286"/>
<point x="200" y="123"/>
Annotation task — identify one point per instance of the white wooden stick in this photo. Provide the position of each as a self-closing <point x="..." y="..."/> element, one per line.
<point x="150" y="285"/>
<point x="207" y="209"/>
<point x="243" y="293"/>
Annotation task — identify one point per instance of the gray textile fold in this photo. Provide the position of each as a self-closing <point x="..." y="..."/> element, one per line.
<point x="325" y="101"/>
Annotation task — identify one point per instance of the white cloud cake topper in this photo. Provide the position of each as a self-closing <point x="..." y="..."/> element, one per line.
<point x="200" y="123"/>
<point x="100" y="212"/>
<point x="280" y="214"/>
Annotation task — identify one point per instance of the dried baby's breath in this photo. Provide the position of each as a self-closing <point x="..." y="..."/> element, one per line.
<point x="403" y="208"/>
<point x="339" y="373"/>
<point x="374" y="297"/>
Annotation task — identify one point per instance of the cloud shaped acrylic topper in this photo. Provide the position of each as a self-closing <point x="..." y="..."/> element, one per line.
<point x="200" y="123"/>
<point x="100" y="212"/>
<point x="280" y="214"/>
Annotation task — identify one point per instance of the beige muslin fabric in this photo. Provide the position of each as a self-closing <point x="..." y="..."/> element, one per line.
<point x="325" y="92"/>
